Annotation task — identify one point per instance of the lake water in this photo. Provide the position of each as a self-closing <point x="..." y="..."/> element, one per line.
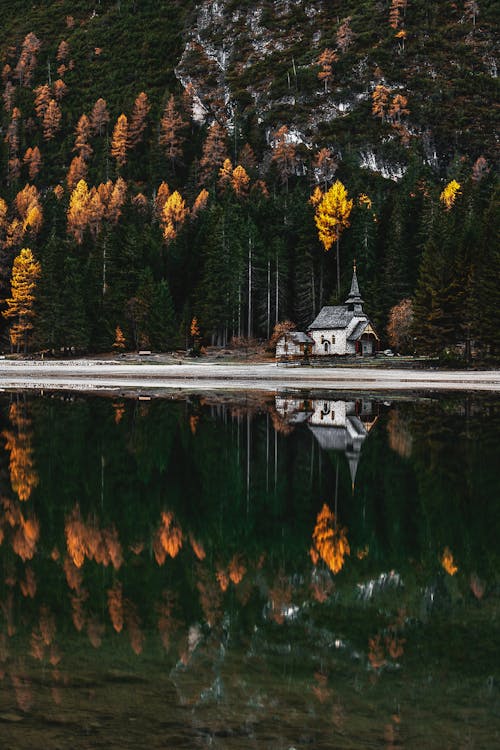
<point x="271" y="572"/>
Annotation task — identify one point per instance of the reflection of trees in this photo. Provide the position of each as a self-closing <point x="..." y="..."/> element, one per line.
<point x="18" y="442"/>
<point x="231" y="573"/>
<point x="330" y="541"/>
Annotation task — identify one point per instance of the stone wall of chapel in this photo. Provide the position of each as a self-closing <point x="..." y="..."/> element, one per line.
<point x="339" y="347"/>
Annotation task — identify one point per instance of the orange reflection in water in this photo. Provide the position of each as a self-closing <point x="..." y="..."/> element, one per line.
<point x="168" y="538"/>
<point x="330" y="541"/>
<point x="448" y="563"/>
<point x="85" y="540"/>
<point x="23" y="476"/>
<point x="115" y="606"/>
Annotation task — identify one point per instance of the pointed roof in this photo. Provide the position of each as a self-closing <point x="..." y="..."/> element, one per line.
<point x="354" y="295"/>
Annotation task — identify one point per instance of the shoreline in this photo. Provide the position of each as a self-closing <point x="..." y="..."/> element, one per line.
<point x="89" y="375"/>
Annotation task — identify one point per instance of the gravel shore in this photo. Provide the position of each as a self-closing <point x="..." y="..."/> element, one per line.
<point x="98" y="375"/>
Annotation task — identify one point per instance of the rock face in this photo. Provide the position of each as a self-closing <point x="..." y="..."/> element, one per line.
<point x="255" y="65"/>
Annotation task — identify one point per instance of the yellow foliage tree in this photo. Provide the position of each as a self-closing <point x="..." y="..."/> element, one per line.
<point x="78" y="211"/>
<point x="332" y="217"/>
<point x="173" y="215"/>
<point x="20" y="306"/>
<point x="449" y="194"/>
<point x="119" y="141"/>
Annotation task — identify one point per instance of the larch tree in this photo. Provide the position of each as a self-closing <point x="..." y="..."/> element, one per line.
<point x="137" y="123"/>
<point x="214" y="152"/>
<point x="345" y="35"/>
<point x="82" y="135"/>
<point x="78" y="211"/>
<point x="42" y="100"/>
<point x="331" y="218"/>
<point x="171" y="127"/>
<point x="62" y="51"/>
<point x="324" y="166"/>
<point x="380" y="101"/>
<point x="51" y="120"/>
<point x="240" y="181"/>
<point x="99" y="117"/>
<point x="173" y="216"/>
<point x="77" y="171"/>
<point x="398" y="8"/>
<point x="20" y="305"/>
<point x="60" y="89"/>
<point x="398" y="108"/>
<point x="284" y="154"/>
<point x="119" y="141"/>
<point x="326" y="60"/>
<point x="33" y="159"/>
<point x="27" y="59"/>
<point x="449" y="194"/>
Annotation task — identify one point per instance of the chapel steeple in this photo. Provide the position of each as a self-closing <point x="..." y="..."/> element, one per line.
<point x="354" y="301"/>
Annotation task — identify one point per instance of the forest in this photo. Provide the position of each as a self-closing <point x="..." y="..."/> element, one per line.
<point x="207" y="170"/>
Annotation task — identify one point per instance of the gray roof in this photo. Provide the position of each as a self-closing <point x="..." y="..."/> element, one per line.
<point x="301" y="338"/>
<point x="332" y="317"/>
<point x="358" y="331"/>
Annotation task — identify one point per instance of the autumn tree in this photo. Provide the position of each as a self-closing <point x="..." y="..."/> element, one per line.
<point x="33" y="159"/>
<point x="449" y="194"/>
<point x="331" y="218"/>
<point x="62" y="51"/>
<point x="398" y="8"/>
<point x="99" y="117"/>
<point x="51" y="120"/>
<point x="27" y="59"/>
<point x="60" y="89"/>
<point x="284" y="154"/>
<point x="82" y="135"/>
<point x="77" y="171"/>
<point x="78" y="211"/>
<point x="324" y="167"/>
<point x="43" y="96"/>
<point x="214" y="152"/>
<point x="173" y="215"/>
<point x="400" y="326"/>
<point x="380" y="101"/>
<point x="326" y="60"/>
<point x="171" y="126"/>
<point x="137" y="123"/>
<point x="345" y="35"/>
<point x="119" y="342"/>
<point x="119" y="141"/>
<point x="398" y="108"/>
<point x="240" y="181"/>
<point x="20" y="305"/>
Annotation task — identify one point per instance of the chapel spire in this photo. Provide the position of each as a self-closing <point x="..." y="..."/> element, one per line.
<point x="354" y="297"/>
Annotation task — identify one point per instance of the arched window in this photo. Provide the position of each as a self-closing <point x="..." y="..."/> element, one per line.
<point x="326" y="347"/>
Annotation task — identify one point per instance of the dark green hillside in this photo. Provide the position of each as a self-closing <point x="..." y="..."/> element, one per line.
<point x="406" y="106"/>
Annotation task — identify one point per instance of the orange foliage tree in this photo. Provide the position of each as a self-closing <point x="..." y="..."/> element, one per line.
<point x="137" y="123"/>
<point x="119" y="141"/>
<point x="399" y="327"/>
<point x="214" y="152"/>
<point x="171" y="126"/>
<point x="51" y="120"/>
<point x="99" y="117"/>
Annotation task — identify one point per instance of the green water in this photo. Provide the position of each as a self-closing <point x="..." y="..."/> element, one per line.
<point x="249" y="572"/>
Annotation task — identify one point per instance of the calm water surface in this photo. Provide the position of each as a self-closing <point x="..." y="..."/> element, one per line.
<point x="300" y="571"/>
